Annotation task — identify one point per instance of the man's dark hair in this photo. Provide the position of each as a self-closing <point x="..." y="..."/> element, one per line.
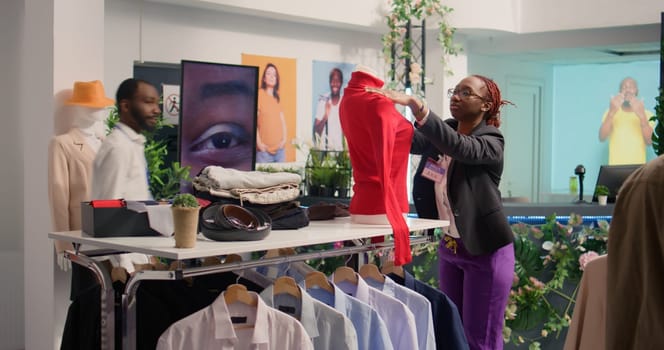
<point x="127" y="90"/>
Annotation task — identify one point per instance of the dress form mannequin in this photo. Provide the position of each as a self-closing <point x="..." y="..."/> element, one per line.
<point x="379" y="140"/>
<point x="370" y="219"/>
<point x="70" y="159"/>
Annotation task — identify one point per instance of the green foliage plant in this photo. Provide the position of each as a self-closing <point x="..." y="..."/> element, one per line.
<point x="602" y="190"/>
<point x="328" y="170"/>
<point x="549" y="261"/>
<point x="400" y="14"/>
<point x="658" y="132"/>
<point x="185" y="200"/>
<point x="164" y="180"/>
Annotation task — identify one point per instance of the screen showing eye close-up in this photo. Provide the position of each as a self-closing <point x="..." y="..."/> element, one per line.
<point x="218" y="116"/>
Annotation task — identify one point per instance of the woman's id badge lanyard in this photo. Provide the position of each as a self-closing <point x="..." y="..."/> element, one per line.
<point x="433" y="171"/>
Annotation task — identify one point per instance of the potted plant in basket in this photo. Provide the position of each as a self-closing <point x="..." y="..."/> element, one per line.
<point x="602" y="193"/>
<point x="185" y="220"/>
<point x="327" y="173"/>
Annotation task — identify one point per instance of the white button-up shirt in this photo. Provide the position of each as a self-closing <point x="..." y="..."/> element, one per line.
<point x="120" y="169"/>
<point x="213" y="328"/>
<point x="418" y="305"/>
<point x="327" y="327"/>
<point x="398" y="318"/>
<point x="371" y="330"/>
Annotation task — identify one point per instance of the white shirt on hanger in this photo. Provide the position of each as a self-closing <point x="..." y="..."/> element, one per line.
<point x="371" y="330"/>
<point x="213" y="328"/>
<point x="328" y="328"/>
<point x="398" y="318"/>
<point x="418" y="305"/>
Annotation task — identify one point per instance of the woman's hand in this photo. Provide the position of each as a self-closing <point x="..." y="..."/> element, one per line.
<point x="396" y="96"/>
<point x="416" y="105"/>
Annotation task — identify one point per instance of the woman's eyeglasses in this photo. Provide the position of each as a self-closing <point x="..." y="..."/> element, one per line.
<point x="463" y="94"/>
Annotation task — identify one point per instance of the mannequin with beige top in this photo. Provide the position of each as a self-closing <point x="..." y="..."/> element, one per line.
<point x="70" y="159"/>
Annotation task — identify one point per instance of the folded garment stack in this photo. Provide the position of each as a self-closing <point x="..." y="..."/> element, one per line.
<point x="252" y="186"/>
<point x="273" y="193"/>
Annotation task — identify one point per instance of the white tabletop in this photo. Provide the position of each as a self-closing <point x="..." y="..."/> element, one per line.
<point x="318" y="232"/>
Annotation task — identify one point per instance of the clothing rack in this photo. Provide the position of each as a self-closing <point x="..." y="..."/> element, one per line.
<point x="318" y="232"/>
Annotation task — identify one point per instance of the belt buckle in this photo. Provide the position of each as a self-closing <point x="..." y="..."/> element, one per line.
<point x="450" y="243"/>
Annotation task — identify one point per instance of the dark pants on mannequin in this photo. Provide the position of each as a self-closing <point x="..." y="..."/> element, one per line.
<point x="479" y="286"/>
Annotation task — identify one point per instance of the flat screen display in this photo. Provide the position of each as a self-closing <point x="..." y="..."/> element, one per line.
<point x="218" y="116"/>
<point x="613" y="176"/>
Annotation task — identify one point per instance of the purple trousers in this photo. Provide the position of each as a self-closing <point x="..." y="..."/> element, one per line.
<point x="479" y="286"/>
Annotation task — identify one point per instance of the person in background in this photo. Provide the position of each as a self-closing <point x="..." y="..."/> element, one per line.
<point x="626" y="124"/>
<point x="635" y="273"/>
<point x="271" y="128"/>
<point x="457" y="180"/>
<point x="326" y="124"/>
<point x="120" y="169"/>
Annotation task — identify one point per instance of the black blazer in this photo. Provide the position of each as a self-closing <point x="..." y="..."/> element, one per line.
<point x="472" y="181"/>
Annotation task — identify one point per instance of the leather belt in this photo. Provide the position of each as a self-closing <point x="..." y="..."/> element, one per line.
<point x="230" y="222"/>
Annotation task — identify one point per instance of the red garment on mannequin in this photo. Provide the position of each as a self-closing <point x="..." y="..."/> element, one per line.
<point x="379" y="140"/>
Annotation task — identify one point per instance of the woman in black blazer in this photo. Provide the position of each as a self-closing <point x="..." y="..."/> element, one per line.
<point x="457" y="180"/>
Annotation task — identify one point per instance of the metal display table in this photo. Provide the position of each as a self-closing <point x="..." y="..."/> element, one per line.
<point x="318" y="232"/>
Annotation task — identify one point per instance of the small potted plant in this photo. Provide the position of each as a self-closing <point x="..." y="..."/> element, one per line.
<point x="602" y="193"/>
<point x="185" y="209"/>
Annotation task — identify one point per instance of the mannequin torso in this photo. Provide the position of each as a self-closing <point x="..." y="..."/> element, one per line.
<point x="89" y="122"/>
<point x="378" y="139"/>
<point x="70" y="168"/>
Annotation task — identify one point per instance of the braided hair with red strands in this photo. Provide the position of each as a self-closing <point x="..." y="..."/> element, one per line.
<point x="493" y="114"/>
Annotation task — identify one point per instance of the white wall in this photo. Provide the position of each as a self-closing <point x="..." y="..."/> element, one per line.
<point x="171" y="33"/>
<point x="362" y="15"/>
<point x="519" y="16"/>
<point x="11" y="183"/>
<point x="36" y="117"/>
<point x="493" y="15"/>
<point x="541" y="16"/>
<point x="502" y="71"/>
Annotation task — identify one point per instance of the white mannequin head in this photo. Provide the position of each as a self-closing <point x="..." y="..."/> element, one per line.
<point x="84" y="117"/>
<point x="87" y="107"/>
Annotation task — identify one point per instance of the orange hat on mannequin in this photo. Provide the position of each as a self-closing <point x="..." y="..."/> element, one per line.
<point x="89" y="94"/>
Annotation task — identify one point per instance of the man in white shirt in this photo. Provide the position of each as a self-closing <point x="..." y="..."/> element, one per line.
<point x="120" y="168"/>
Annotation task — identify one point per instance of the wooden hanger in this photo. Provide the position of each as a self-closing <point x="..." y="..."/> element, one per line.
<point x="318" y="279"/>
<point x="211" y="261"/>
<point x="231" y="258"/>
<point x="273" y="253"/>
<point x="389" y="267"/>
<point x="345" y="273"/>
<point x="371" y="271"/>
<point x="238" y="293"/>
<point x="286" y="285"/>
